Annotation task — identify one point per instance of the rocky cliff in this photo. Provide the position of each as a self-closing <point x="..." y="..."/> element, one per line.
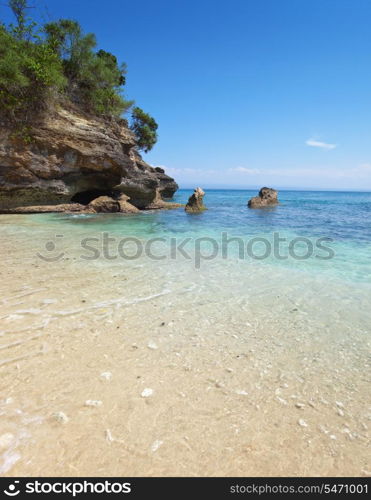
<point x="68" y="157"/>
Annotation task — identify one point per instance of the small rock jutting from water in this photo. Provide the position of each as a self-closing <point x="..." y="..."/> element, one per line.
<point x="195" y="202"/>
<point x="267" y="197"/>
<point x="147" y="392"/>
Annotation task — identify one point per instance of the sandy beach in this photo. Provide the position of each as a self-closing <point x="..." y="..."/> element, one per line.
<point x="158" y="369"/>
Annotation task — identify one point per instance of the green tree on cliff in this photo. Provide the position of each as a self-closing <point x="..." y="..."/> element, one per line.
<point x="58" y="62"/>
<point x="23" y="30"/>
<point x="28" y="74"/>
<point x="95" y="78"/>
<point x="144" y="128"/>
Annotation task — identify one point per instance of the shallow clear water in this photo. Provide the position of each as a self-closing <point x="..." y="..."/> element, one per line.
<point x="335" y="229"/>
<point x="257" y="366"/>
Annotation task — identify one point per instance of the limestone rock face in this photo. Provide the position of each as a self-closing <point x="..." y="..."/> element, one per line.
<point x="104" y="204"/>
<point x="159" y="204"/>
<point x="125" y="206"/>
<point x="38" y="209"/>
<point x="195" y="203"/>
<point x="72" y="157"/>
<point x="266" y="197"/>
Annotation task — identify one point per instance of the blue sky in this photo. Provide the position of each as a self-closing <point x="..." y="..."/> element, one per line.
<point x="246" y="92"/>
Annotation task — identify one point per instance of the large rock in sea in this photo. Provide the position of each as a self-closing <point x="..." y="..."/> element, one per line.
<point x="69" y="157"/>
<point x="196" y="202"/>
<point x="267" y="197"/>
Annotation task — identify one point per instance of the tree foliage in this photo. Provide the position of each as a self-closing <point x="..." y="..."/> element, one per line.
<point x="24" y="28"/>
<point x="95" y="78"/>
<point x="144" y="128"/>
<point x="28" y="73"/>
<point x="58" y="60"/>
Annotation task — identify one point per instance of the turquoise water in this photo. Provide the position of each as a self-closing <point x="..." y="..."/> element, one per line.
<point x="342" y="218"/>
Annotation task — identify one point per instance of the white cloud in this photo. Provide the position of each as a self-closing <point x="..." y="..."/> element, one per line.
<point x="196" y="171"/>
<point x="325" y="176"/>
<point x="319" y="144"/>
<point x="244" y="170"/>
<point x="357" y="172"/>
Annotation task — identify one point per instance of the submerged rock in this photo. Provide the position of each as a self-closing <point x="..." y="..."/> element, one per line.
<point x="195" y="203"/>
<point x="266" y="197"/>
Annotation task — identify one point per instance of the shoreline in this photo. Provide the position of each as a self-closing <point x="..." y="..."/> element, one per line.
<point x="72" y="208"/>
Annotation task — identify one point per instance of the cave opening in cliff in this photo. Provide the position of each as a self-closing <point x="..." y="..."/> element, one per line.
<point x="85" y="197"/>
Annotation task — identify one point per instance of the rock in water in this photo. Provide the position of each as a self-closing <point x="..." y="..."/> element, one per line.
<point x="267" y="197"/>
<point x="39" y="209"/>
<point x="159" y="203"/>
<point x="104" y="204"/>
<point x="195" y="203"/>
<point x="125" y="206"/>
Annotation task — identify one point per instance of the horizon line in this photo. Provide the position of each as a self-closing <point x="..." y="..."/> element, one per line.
<point x="336" y="190"/>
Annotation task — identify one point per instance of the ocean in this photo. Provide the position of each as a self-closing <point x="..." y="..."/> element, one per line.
<point x="231" y="342"/>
